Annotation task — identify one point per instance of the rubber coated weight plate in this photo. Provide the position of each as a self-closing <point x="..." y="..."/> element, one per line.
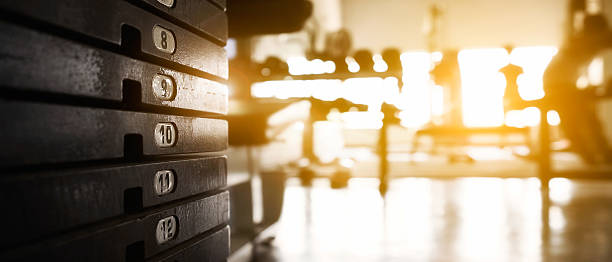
<point x="214" y="247"/>
<point x="110" y="21"/>
<point x="36" y="133"/>
<point x="140" y="237"/>
<point x="69" y="198"/>
<point x="201" y="15"/>
<point x="33" y="61"/>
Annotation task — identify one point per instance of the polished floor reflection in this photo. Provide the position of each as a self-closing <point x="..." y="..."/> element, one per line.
<point x="468" y="219"/>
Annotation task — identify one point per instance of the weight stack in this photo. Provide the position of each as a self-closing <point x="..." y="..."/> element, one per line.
<point x="114" y="130"/>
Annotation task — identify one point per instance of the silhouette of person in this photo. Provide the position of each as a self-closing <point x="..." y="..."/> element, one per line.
<point x="363" y="57"/>
<point x="512" y="98"/>
<point x="448" y="75"/>
<point x="579" y="120"/>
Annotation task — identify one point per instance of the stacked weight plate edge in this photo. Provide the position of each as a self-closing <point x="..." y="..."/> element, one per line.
<point x="80" y="134"/>
<point x="48" y="134"/>
<point x="118" y="51"/>
<point x="135" y="238"/>
<point x="201" y="16"/>
<point x="123" y="27"/>
<point x="74" y="197"/>
<point x="33" y="61"/>
<point x="214" y="247"/>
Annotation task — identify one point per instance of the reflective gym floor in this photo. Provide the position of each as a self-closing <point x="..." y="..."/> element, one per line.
<point x="463" y="219"/>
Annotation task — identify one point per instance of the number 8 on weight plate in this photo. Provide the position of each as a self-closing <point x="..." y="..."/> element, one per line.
<point x="164" y="39"/>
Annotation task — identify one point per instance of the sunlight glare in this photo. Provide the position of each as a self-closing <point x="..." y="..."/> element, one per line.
<point x="416" y="95"/>
<point x="557" y="219"/>
<point x="420" y="98"/>
<point x="561" y="190"/>
<point x="482" y="86"/>
<point x="553" y="118"/>
<point x="353" y="66"/>
<point x="595" y="72"/>
<point x="302" y="66"/>
<point x="379" y="64"/>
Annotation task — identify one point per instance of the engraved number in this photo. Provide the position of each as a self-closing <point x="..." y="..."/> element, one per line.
<point x="164" y="87"/>
<point x="164" y="182"/>
<point x="165" y="134"/>
<point x="164" y="39"/>
<point x="166" y="229"/>
<point x="168" y="3"/>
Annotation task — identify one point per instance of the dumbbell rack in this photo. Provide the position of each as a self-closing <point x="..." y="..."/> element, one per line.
<point x="113" y="130"/>
<point x="341" y="175"/>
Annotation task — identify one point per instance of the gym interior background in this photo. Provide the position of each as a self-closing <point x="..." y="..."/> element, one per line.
<point x="306" y="130"/>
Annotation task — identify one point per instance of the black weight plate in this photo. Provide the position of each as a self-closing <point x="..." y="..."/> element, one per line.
<point x="131" y="240"/>
<point x="105" y="20"/>
<point x="212" y="248"/>
<point x="70" y="198"/>
<point x="199" y="14"/>
<point x="42" y="134"/>
<point x="34" y="61"/>
<point x="221" y="3"/>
